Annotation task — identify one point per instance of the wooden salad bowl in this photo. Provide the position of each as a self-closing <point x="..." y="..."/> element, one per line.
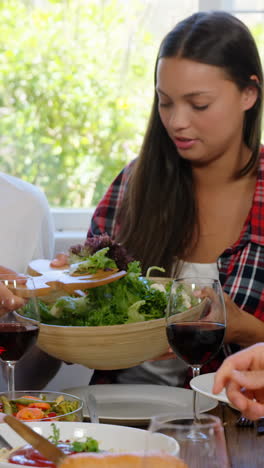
<point x="102" y="347"/>
<point x="105" y="347"/>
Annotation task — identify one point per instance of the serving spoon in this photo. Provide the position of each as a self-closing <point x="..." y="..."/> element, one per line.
<point x="44" y="446"/>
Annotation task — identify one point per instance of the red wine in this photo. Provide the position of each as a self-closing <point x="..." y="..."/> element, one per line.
<point x="195" y="342"/>
<point x="16" y="339"/>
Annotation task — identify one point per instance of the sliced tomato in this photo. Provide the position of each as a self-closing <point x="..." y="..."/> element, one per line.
<point x="29" y="414"/>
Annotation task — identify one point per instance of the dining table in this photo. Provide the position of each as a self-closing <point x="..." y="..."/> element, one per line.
<point x="245" y="446"/>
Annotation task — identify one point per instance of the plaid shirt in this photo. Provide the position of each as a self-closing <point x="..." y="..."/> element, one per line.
<point x="241" y="267"/>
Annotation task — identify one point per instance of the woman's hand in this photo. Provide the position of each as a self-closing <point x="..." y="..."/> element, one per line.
<point x="241" y="327"/>
<point x="60" y="260"/>
<point x="11" y="273"/>
<point x="242" y="374"/>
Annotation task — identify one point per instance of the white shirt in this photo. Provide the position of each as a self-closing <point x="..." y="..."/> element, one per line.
<point x="196" y="270"/>
<point x="27" y="230"/>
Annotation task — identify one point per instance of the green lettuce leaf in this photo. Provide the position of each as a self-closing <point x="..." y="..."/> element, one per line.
<point x="97" y="261"/>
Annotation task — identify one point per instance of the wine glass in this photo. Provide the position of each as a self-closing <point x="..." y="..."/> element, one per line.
<point x="207" y="450"/>
<point x="196" y="322"/>
<point x="19" y="322"/>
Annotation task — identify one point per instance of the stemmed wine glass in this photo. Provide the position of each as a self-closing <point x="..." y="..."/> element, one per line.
<point x="19" y="322"/>
<point x="196" y="322"/>
<point x="200" y="444"/>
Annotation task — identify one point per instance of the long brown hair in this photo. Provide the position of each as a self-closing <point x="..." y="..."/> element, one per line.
<point x="158" y="217"/>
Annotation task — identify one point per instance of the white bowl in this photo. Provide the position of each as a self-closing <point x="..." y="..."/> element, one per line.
<point x="110" y="437"/>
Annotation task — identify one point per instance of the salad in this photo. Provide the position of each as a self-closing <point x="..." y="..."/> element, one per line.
<point x="133" y="298"/>
<point x="184" y="299"/>
<point x="31" y="408"/>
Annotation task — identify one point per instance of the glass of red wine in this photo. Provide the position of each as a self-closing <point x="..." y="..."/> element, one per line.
<point x="19" y="321"/>
<point x="196" y="322"/>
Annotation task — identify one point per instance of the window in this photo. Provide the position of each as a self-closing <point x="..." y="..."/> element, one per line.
<point x="76" y="82"/>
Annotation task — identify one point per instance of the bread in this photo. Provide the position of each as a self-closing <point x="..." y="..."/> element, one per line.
<point x="122" y="460"/>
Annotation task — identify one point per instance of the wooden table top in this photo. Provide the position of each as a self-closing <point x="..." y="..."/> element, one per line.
<point x="245" y="448"/>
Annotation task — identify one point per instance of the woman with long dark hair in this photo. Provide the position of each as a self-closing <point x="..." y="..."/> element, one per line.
<point x="193" y="200"/>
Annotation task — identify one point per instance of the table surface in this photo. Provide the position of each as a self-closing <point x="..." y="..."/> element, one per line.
<point x="245" y="447"/>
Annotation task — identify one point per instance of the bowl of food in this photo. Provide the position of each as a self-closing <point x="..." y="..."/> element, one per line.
<point x="112" y="326"/>
<point x="82" y="437"/>
<point x="35" y="406"/>
<point x="109" y="343"/>
<point x="107" y="347"/>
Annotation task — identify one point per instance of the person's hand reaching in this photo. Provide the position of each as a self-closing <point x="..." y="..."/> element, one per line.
<point x="242" y="374"/>
<point x="8" y="300"/>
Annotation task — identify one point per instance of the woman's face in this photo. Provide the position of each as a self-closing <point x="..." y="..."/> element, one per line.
<point x="201" y="109"/>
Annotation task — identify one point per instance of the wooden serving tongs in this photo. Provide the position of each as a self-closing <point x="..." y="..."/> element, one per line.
<point x="40" y="443"/>
<point x="62" y="280"/>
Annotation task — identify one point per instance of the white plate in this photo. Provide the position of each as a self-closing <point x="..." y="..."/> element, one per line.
<point x="110" y="437"/>
<point x="135" y="404"/>
<point x="204" y="385"/>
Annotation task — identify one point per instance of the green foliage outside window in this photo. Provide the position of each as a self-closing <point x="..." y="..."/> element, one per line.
<point x="73" y="102"/>
<point x="76" y="85"/>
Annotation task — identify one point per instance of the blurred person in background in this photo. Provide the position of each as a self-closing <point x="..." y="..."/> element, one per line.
<point x="27" y="230"/>
<point x="27" y="233"/>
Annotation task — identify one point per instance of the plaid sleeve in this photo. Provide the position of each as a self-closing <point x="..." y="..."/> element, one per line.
<point x="104" y="217"/>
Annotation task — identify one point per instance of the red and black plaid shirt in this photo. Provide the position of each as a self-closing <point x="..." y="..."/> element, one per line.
<point x="241" y="267"/>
